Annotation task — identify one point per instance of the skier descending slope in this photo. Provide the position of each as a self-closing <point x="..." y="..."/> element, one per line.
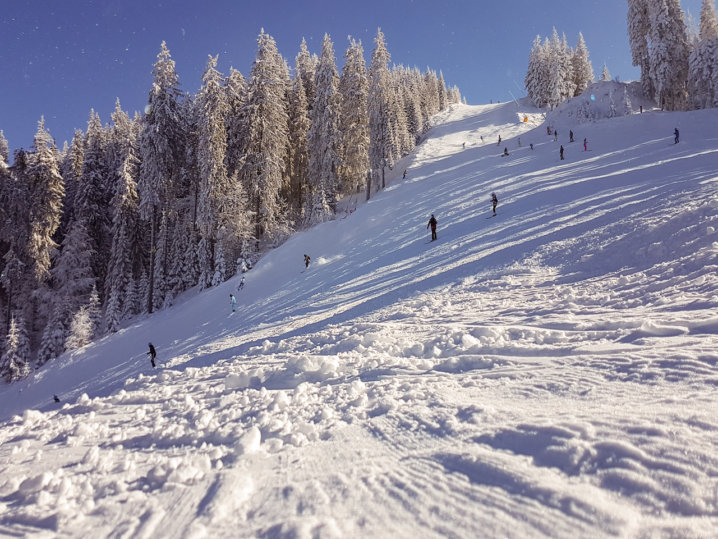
<point x="494" y="202"/>
<point x="432" y="223"/>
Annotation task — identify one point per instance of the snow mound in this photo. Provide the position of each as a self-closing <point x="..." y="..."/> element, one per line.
<point x="600" y="101"/>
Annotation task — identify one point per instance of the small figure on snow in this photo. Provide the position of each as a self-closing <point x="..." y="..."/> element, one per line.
<point x="306" y="261"/>
<point x="463" y="145"/>
<point x="570" y="136"/>
<point x="482" y="138"/>
<point x="56" y="398"/>
<point x="404" y="176"/>
<point x="506" y="152"/>
<point x="499" y="143"/>
<point x="532" y="145"/>
<point x="233" y="302"/>
<point x="494" y="202"/>
<point x="432" y="223"/>
<point x="240" y="286"/>
<point x="519" y="142"/>
<point x="561" y="151"/>
<point x="675" y="132"/>
<point x="153" y="354"/>
<point x="585" y="145"/>
<point x="555" y="135"/>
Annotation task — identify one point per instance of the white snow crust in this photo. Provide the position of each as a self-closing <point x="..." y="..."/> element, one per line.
<point x="548" y="372"/>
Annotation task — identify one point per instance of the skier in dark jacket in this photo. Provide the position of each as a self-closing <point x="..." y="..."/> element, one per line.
<point x="561" y="151"/>
<point x="675" y="132"/>
<point x="153" y="354"/>
<point x="432" y="223"/>
<point x="494" y="202"/>
<point x="306" y="261"/>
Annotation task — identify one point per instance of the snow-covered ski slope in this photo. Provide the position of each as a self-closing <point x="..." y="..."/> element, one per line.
<point x="549" y="372"/>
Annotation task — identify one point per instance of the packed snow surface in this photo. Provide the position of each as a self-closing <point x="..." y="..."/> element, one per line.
<point x="548" y="372"/>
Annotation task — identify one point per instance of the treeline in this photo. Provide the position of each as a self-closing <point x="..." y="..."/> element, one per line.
<point x="557" y="72"/>
<point x="131" y="214"/>
<point x="679" y="71"/>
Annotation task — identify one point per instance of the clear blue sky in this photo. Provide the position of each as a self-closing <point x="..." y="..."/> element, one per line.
<point x="62" y="58"/>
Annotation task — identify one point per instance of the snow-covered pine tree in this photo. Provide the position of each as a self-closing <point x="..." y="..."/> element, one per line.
<point x="80" y="330"/>
<point x="159" y="278"/>
<point x="668" y="53"/>
<point x="4" y="150"/>
<point x="306" y="65"/>
<point x="354" y="119"/>
<point x="382" y="144"/>
<point x="236" y="122"/>
<point x="404" y="139"/>
<point x="581" y="67"/>
<point x="535" y="74"/>
<point x="443" y="102"/>
<point x="125" y="219"/>
<point x="46" y="196"/>
<point x="298" y="162"/>
<point x="15" y="360"/>
<point x="220" y="267"/>
<point x="605" y="75"/>
<point x="267" y="138"/>
<point x="162" y="153"/>
<point x="71" y="171"/>
<point x="639" y="28"/>
<point x="72" y="281"/>
<point x="324" y="139"/>
<point x="215" y="189"/>
<point x="92" y="200"/>
<point x="703" y="60"/>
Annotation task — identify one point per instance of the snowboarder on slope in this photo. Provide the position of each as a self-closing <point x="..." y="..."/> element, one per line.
<point x="506" y="152"/>
<point x="306" y="261"/>
<point x="233" y="302"/>
<point x="432" y="223"/>
<point x="675" y="132"/>
<point x="153" y="354"/>
<point x="494" y="202"/>
<point x="561" y="152"/>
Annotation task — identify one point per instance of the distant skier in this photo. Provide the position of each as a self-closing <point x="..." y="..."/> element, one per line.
<point x="482" y="138"/>
<point x="532" y="145"/>
<point x="555" y="135"/>
<point x="56" y="398"/>
<point x="463" y="145"/>
<point x="519" y="142"/>
<point x="506" y="152"/>
<point x="675" y="132"/>
<point x="404" y="176"/>
<point x="240" y="286"/>
<point x="570" y="136"/>
<point x="499" y="143"/>
<point x="561" y="152"/>
<point x="432" y="223"/>
<point x="494" y="202"/>
<point x="153" y="354"/>
<point x="306" y="261"/>
<point x="585" y="145"/>
<point x="233" y="302"/>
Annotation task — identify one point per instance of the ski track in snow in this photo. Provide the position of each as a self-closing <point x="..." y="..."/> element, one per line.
<point x="551" y="372"/>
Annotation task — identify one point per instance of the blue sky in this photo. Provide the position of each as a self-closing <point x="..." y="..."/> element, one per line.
<point x="61" y="59"/>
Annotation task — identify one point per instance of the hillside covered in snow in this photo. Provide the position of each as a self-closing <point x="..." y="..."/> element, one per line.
<point x="548" y="372"/>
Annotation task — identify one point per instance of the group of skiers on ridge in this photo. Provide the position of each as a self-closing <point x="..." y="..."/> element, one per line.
<point x="431" y="224"/>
